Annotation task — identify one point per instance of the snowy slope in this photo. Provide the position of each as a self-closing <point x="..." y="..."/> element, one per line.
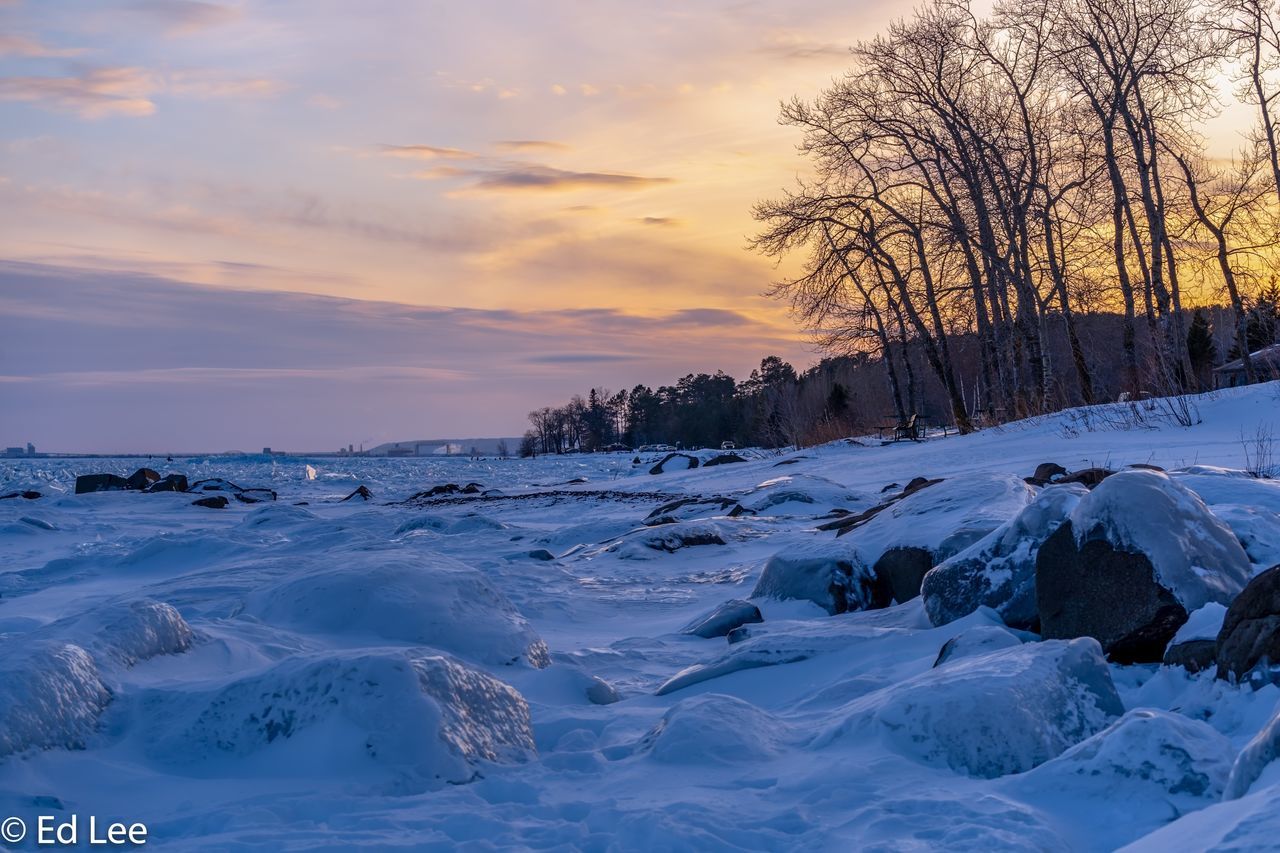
<point x="382" y="674"/>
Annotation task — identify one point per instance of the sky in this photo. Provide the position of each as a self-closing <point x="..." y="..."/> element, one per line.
<point x="308" y="223"/>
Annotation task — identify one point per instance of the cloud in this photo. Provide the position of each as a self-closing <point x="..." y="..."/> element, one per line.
<point x="93" y="93"/>
<point x="796" y="47"/>
<point x="659" y="221"/>
<point x="530" y="145"/>
<point x="101" y="92"/>
<point x="580" y="358"/>
<point x="15" y="45"/>
<point x="184" y="17"/>
<point x="536" y="178"/>
<point x="425" y="152"/>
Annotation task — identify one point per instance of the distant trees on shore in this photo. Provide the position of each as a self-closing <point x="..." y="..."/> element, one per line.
<point x="998" y="180"/>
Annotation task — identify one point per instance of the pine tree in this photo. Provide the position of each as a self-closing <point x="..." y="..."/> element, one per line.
<point x="1201" y="348"/>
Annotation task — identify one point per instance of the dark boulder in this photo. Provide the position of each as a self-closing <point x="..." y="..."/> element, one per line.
<point x="1088" y="477"/>
<point x="170" y="483"/>
<point x="1046" y="471"/>
<point x="87" y="483"/>
<point x="27" y="495"/>
<point x="725" y="618"/>
<point x="1094" y="590"/>
<point x="685" y="509"/>
<point x="142" y="478"/>
<point x="541" y="554"/>
<point x="737" y="635"/>
<point x="1193" y="655"/>
<point x="215" y="484"/>
<point x="1250" y="633"/>
<point x="255" y="496"/>
<point x="471" y="489"/>
<point x="214" y="502"/>
<point x="903" y="570"/>
<point x="723" y="459"/>
<point x="362" y="493"/>
<point x="675" y="462"/>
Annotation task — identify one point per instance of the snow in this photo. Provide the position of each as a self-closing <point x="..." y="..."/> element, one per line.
<point x="379" y="674"/>
<point x="1194" y="554"/>
<point x="1203" y="624"/>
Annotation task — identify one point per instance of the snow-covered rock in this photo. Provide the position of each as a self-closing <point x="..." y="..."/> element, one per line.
<point x="999" y="570"/>
<point x="998" y="713"/>
<point x="1146" y="768"/>
<point x="428" y="721"/>
<point x="1250" y="632"/>
<point x="1133" y="559"/>
<point x="51" y="695"/>
<point x="978" y="640"/>
<point x="828" y="573"/>
<point x="675" y="462"/>
<point x="800" y="494"/>
<point x="1258" y="753"/>
<point x="646" y="543"/>
<point x="719" y="622"/>
<point x="126" y="633"/>
<point x="714" y="729"/>
<point x="1195" y="646"/>
<point x="439" y="603"/>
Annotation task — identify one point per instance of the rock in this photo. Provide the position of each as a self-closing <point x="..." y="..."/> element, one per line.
<point x="1250" y="633"/>
<point x="1088" y="477"/>
<point x="723" y="459"/>
<point x="1144" y="466"/>
<point x="142" y="478"/>
<point x="471" y="489"/>
<point x="719" y="622"/>
<point x="999" y="570"/>
<point x="685" y="509"/>
<point x="829" y="574"/>
<point x="977" y="640"/>
<point x="918" y="483"/>
<point x="254" y="496"/>
<point x="27" y="495"/>
<point x="1046" y="471"/>
<point x="215" y="484"/>
<point x="39" y="523"/>
<point x="999" y="713"/>
<point x="361" y="492"/>
<point x="1195" y="646"/>
<point x="1263" y="749"/>
<point x="903" y="570"/>
<point x="87" y="483"/>
<point x="1135" y="557"/>
<point x="541" y="554"/>
<point x="675" y="462"/>
<point x="215" y="502"/>
<point x="737" y="635"/>
<point x="601" y="692"/>
<point x="170" y="483"/>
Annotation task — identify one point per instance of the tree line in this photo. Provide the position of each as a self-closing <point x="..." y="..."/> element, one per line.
<point x="999" y="179"/>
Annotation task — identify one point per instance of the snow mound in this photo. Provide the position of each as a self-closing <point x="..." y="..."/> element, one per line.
<point x="801" y="494"/>
<point x="978" y="640"/>
<point x="714" y="729"/>
<point x="441" y="603"/>
<point x="945" y="518"/>
<point x="827" y="572"/>
<point x="1203" y="624"/>
<point x="1140" y="772"/>
<point x="999" y="570"/>
<point x="999" y="713"/>
<point x="127" y="633"/>
<point x="433" y="523"/>
<point x="1194" y="554"/>
<point x="1259" y="752"/>
<point x="429" y="721"/>
<point x="51" y="695"/>
<point x="277" y="516"/>
<point x="645" y="543"/>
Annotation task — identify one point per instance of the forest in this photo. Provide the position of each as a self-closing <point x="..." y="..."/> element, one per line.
<point x="1002" y="216"/>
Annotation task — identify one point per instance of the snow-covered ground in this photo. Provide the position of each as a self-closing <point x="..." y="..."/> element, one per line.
<point x="318" y="673"/>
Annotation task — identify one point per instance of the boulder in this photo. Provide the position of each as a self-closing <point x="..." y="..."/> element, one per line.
<point x="685" y="509"/>
<point x="723" y="459"/>
<point x="1135" y="557"/>
<point x="719" y="622"/>
<point x="1250" y="634"/>
<point x="215" y="484"/>
<point x="87" y="483"/>
<point x="142" y="478"/>
<point x="643" y="542"/>
<point x="1046" y="471"/>
<point x="1195" y="646"/>
<point x="25" y="495"/>
<point x="714" y="730"/>
<point x="170" y="483"/>
<point x="903" y="569"/>
<point x="254" y="496"/>
<point x="213" y="502"/>
<point x="361" y="493"/>
<point x="999" y="570"/>
<point x="998" y="713"/>
<point x="675" y="462"/>
<point x="829" y="574"/>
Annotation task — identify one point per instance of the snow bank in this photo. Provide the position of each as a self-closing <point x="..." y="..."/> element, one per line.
<point x="428" y="721"/>
<point x="441" y="603"/>
<point x="1194" y="554"/>
<point x="51" y="695"/>
<point x="995" y="714"/>
<point x="999" y="570"/>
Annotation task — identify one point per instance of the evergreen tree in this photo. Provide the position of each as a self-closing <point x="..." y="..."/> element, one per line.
<point x="1201" y="348"/>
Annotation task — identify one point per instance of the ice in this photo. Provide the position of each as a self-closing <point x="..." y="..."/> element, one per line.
<point x="51" y="695"/>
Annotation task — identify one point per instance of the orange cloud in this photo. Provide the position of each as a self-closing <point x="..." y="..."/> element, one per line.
<point x="535" y="178"/>
<point x="425" y="152"/>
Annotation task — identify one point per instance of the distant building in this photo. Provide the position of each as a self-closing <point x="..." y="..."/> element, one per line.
<point x="1266" y="366"/>
<point x="14" y="452"/>
<point x="266" y="451"/>
<point x="31" y="449"/>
